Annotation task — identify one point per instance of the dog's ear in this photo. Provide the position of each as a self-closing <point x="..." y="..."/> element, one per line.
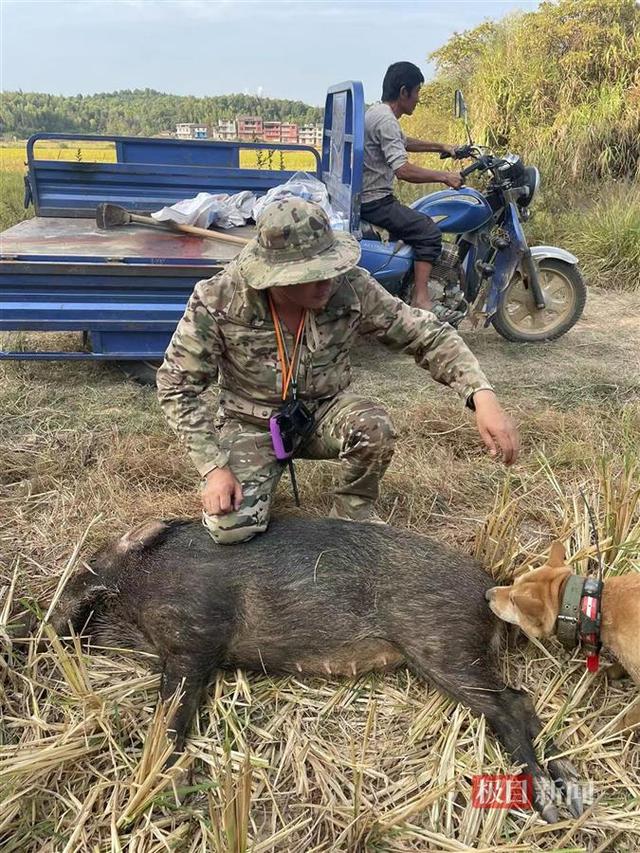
<point x="557" y="555"/>
<point x="526" y="603"/>
<point x="530" y="609"/>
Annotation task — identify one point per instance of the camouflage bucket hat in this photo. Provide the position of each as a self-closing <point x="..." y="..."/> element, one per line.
<point x="295" y="244"/>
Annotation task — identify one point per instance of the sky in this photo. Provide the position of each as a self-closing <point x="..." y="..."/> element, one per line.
<point x="274" y="48"/>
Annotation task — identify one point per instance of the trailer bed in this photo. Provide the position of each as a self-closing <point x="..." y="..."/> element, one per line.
<point x="125" y="289"/>
<point x="55" y="238"/>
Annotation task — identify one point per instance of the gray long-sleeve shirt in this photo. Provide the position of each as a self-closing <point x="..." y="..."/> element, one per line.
<point x="384" y="152"/>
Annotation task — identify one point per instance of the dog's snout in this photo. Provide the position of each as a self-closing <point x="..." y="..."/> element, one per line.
<point x="489" y="593"/>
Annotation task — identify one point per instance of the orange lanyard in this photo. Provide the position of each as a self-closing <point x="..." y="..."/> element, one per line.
<point x="288" y="366"/>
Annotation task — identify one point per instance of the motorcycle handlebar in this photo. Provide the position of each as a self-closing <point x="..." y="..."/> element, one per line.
<point x="474" y="167"/>
<point x="459" y="153"/>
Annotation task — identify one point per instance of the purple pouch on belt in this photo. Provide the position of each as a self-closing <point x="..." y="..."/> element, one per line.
<point x="277" y="439"/>
<point x="289" y="427"/>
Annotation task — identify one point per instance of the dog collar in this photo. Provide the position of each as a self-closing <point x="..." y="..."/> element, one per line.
<point x="580" y="617"/>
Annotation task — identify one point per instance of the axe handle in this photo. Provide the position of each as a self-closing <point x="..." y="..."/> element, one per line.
<point x="189" y="229"/>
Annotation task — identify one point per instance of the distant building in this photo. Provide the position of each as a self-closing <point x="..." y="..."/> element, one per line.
<point x="310" y="134"/>
<point x="249" y="128"/>
<point x="289" y="133"/>
<point x="192" y="130"/>
<point x="226" y="129"/>
<point x="271" y="131"/>
<point x="253" y="128"/>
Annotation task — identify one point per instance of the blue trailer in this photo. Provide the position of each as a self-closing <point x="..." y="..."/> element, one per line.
<point x="126" y="289"/>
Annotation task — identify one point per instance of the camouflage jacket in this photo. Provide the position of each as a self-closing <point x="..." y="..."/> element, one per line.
<point x="227" y="335"/>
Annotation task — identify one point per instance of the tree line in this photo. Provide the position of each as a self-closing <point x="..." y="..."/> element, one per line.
<point x="559" y="85"/>
<point x="137" y="112"/>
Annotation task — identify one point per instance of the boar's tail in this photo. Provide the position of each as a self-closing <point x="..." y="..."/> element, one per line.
<point x="147" y="535"/>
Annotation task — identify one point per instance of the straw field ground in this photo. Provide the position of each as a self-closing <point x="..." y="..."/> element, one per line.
<point x="292" y="764"/>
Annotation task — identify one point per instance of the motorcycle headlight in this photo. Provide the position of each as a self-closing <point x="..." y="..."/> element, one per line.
<point x="531" y="183"/>
<point x="512" y="170"/>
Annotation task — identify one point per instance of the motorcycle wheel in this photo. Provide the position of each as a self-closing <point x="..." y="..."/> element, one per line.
<point x="517" y="318"/>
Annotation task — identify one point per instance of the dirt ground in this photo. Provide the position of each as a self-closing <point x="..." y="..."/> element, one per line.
<point x="599" y="359"/>
<point x="86" y="453"/>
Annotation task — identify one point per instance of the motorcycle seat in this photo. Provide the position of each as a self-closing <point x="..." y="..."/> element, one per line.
<point x="374" y="232"/>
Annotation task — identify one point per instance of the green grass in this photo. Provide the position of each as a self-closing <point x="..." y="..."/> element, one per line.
<point x="12" y="208"/>
<point x="606" y="237"/>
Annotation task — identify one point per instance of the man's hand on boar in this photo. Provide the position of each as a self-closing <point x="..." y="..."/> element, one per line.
<point x="222" y="493"/>
<point x="497" y="430"/>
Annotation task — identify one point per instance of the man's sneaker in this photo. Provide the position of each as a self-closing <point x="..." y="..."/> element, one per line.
<point x="453" y="316"/>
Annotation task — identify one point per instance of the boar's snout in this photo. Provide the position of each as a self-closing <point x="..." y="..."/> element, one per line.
<point x="80" y="597"/>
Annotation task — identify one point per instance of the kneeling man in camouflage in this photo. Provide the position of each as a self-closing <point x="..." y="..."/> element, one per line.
<point x="274" y="331"/>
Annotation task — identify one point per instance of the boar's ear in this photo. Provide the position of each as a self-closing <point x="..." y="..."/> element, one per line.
<point x="557" y="556"/>
<point x="141" y="537"/>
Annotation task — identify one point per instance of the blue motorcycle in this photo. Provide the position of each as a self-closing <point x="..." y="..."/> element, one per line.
<point x="487" y="269"/>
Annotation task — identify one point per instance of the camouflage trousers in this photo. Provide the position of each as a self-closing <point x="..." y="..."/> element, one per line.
<point x="354" y="430"/>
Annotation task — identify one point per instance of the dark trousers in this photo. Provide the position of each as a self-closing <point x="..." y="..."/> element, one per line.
<point x="416" y="229"/>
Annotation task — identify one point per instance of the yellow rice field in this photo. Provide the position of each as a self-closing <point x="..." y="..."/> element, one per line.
<point x="14" y="157"/>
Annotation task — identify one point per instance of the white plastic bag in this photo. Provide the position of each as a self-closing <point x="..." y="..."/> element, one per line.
<point x="304" y="186"/>
<point x="221" y="210"/>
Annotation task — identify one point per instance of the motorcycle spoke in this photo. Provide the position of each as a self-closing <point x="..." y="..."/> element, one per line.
<point x="556" y="290"/>
<point x="556" y="305"/>
<point x="519" y="312"/>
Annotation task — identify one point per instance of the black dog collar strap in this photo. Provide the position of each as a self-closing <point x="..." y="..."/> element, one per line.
<point x="569" y="615"/>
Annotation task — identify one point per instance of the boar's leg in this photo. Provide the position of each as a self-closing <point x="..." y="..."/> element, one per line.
<point x="562" y="771"/>
<point x="189" y="677"/>
<point x="473" y="681"/>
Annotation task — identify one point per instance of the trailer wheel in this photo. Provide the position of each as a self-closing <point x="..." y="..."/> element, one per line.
<point x="142" y="372"/>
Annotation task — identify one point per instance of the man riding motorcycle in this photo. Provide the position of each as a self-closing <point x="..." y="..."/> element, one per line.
<point x="385" y="157"/>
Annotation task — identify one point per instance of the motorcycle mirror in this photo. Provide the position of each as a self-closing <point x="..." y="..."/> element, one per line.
<point x="460" y="108"/>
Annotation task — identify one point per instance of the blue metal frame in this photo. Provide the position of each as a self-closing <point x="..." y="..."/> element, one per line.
<point x="342" y="167"/>
<point x="506" y="260"/>
<point x="147" y="174"/>
<point x="343" y="149"/>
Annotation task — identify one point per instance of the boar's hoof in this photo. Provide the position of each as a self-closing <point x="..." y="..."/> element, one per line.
<point x="549" y="813"/>
<point x="565" y="777"/>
